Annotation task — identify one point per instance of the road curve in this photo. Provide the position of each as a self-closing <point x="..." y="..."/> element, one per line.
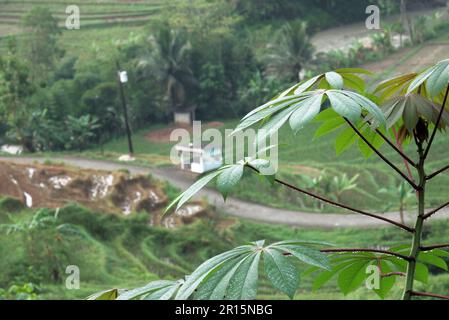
<point x="234" y="207"/>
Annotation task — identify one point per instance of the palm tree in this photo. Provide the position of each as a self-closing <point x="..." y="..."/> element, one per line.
<point x="289" y="52"/>
<point x="167" y="59"/>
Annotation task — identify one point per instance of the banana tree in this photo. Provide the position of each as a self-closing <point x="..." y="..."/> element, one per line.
<point x="403" y="194"/>
<point x="409" y="107"/>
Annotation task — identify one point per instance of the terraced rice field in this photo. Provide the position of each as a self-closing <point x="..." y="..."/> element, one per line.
<point x="93" y="14"/>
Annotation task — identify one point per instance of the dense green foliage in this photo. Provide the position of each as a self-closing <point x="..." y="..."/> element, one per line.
<point x="230" y="58"/>
<point x="229" y="61"/>
<point x="119" y="252"/>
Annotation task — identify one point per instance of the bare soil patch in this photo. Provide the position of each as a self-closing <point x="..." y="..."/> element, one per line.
<point x="50" y="186"/>
<point x="423" y="58"/>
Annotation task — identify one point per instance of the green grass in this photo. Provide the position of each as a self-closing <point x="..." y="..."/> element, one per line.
<point x="114" y="251"/>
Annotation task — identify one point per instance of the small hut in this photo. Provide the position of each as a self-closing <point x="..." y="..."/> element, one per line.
<point x="184" y="116"/>
<point x="199" y="159"/>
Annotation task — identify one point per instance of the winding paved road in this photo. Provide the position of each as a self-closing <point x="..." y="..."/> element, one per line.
<point x="345" y="36"/>
<point x="233" y="206"/>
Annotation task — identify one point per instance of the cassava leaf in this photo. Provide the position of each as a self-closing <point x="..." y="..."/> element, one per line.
<point x="344" y="106"/>
<point x="229" y="178"/>
<point x="281" y="272"/>
<point x="345" y="140"/>
<point x="193" y="189"/>
<point x="334" y="79"/>
<point x="306" y="112"/>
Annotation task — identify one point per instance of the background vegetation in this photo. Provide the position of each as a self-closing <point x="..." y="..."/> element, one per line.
<point x="58" y="92"/>
<point x="114" y="251"/>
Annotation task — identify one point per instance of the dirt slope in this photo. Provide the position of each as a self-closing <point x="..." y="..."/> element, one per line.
<point x="53" y="186"/>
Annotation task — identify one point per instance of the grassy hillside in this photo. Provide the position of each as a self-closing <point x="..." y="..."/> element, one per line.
<point x="303" y="154"/>
<point x="116" y="251"/>
<point x="93" y="14"/>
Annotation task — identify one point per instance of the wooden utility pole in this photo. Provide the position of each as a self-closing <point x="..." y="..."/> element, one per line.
<point x="125" y="108"/>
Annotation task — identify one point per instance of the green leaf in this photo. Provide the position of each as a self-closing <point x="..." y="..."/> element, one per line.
<point x="339" y="265"/>
<point x="440" y="253"/>
<point x="393" y="109"/>
<point x="229" y="178"/>
<point x="430" y="258"/>
<point x="329" y="126"/>
<point x="344" y="106"/>
<point x="274" y="124"/>
<point x="439" y="79"/>
<point x="372" y="138"/>
<point x="307" y="255"/>
<point x="281" y="272"/>
<point x="394" y="85"/>
<point x="334" y="79"/>
<point x="323" y="278"/>
<point x="156" y="290"/>
<point x="207" y="289"/>
<point x="235" y="280"/>
<point x="386" y="283"/>
<point x="351" y="277"/>
<point x="326" y="115"/>
<point x="207" y="269"/>
<point x="410" y="115"/>
<point x="243" y="285"/>
<point x="307" y="110"/>
<point x="234" y="274"/>
<point x="193" y="189"/>
<point x="307" y="85"/>
<point x="368" y="105"/>
<point x="262" y="112"/>
<point x="353" y="82"/>
<point x="420" y="79"/>
<point x="167" y="293"/>
<point x="422" y="273"/>
<point x="259" y="163"/>
<point x="303" y="243"/>
<point x="219" y="291"/>
<point x="345" y="140"/>
<point x="111" y="294"/>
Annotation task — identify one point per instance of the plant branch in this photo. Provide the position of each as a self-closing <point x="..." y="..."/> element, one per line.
<point x="391" y="253"/>
<point x="437" y="172"/>
<point x="437" y="123"/>
<point x="397" y="149"/>
<point x="417" y="235"/>
<point x="435" y="246"/>
<point x="339" y="205"/>
<point x="343" y="206"/>
<point x="427" y="294"/>
<point x="431" y="213"/>
<point x="407" y="165"/>
<point x="390" y="274"/>
<point x="413" y="184"/>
